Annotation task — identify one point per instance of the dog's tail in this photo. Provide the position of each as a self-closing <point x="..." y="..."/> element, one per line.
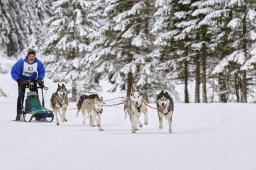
<point x="52" y="101"/>
<point x="78" y="105"/>
<point x="80" y="102"/>
<point x="125" y="111"/>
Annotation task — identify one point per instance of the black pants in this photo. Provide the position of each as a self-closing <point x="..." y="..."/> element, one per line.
<point x="21" y="92"/>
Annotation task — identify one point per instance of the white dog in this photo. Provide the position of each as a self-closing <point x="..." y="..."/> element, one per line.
<point x="165" y="108"/>
<point x="59" y="103"/>
<point x="133" y="107"/>
<point x="94" y="107"/>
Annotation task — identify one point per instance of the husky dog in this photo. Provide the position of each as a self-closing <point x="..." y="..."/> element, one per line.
<point x="165" y="108"/>
<point x="133" y="107"/>
<point x="93" y="105"/>
<point x="59" y="103"/>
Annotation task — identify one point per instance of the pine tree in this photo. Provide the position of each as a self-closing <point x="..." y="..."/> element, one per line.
<point x="70" y="31"/>
<point x="241" y="42"/>
<point x="21" y="24"/>
<point x="168" y="54"/>
<point x="123" y="44"/>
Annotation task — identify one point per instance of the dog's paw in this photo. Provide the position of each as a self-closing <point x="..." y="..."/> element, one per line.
<point x="58" y="124"/>
<point x="140" y="125"/>
<point x="92" y="123"/>
<point x="160" y="127"/>
<point x="145" y="123"/>
<point x="101" y="129"/>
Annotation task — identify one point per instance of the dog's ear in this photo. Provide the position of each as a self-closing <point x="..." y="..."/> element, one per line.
<point x="160" y="94"/>
<point x="63" y="86"/>
<point x="167" y="95"/>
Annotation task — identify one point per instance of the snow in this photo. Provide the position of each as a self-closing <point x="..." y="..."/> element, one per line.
<point x="206" y="136"/>
<point x="251" y="14"/>
<point x="252" y="35"/>
<point x="180" y="14"/>
<point x="236" y="56"/>
<point x="5" y="63"/>
<point x="232" y="3"/>
<point x="202" y="11"/>
<point x="234" y="23"/>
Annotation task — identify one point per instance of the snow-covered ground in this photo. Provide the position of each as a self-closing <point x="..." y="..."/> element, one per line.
<point x="206" y="137"/>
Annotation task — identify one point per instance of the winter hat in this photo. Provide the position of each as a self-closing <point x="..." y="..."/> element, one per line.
<point x="31" y="52"/>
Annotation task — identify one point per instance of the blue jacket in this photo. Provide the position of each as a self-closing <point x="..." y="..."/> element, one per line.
<point x="22" y="69"/>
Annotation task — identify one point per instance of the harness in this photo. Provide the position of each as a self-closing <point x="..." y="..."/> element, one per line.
<point x="59" y="102"/>
<point x="98" y="112"/>
<point x="138" y="108"/>
<point x="163" y="110"/>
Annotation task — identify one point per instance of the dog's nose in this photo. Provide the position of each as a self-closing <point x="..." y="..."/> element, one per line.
<point x="162" y="104"/>
<point x="137" y="103"/>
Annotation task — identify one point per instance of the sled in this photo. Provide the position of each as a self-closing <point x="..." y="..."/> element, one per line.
<point x="37" y="110"/>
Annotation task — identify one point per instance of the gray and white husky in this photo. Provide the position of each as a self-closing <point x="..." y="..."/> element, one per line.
<point x="165" y="108"/>
<point x="133" y="107"/>
<point x="93" y="105"/>
<point x="59" y="103"/>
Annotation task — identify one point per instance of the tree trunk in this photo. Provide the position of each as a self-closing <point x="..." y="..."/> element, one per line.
<point x="244" y="44"/>
<point x="129" y="84"/>
<point x="222" y="88"/>
<point x="186" y="99"/>
<point x="74" y="88"/>
<point x="244" y="88"/>
<point x="204" y="75"/>
<point x="74" y="92"/>
<point x="237" y="87"/>
<point x="197" y="82"/>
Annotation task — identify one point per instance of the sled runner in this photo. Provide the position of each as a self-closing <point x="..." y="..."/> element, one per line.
<point x="37" y="110"/>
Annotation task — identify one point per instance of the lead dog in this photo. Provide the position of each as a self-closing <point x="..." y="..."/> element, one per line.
<point x="59" y="103"/>
<point x="133" y="107"/>
<point x="165" y="108"/>
<point x="93" y="105"/>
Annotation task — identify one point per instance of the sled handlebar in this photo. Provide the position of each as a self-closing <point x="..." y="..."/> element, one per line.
<point x="40" y="87"/>
<point x="35" y="84"/>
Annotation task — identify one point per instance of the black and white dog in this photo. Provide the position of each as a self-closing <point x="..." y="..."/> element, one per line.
<point x="93" y="105"/>
<point x="133" y="107"/>
<point x="165" y="108"/>
<point x="59" y="103"/>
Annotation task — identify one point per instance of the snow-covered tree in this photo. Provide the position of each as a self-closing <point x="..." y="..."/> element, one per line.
<point x="172" y="28"/>
<point x="123" y="43"/>
<point x="21" y="24"/>
<point x="242" y="36"/>
<point x="70" y="31"/>
<point x="217" y="20"/>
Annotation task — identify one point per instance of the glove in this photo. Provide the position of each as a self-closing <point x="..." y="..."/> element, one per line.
<point x="22" y="82"/>
<point x="40" y="82"/>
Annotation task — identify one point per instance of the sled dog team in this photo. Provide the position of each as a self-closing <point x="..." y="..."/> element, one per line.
<point x="91" y="107"/>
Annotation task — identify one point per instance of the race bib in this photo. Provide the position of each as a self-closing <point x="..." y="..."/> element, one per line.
<point x="29" y="69"/>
